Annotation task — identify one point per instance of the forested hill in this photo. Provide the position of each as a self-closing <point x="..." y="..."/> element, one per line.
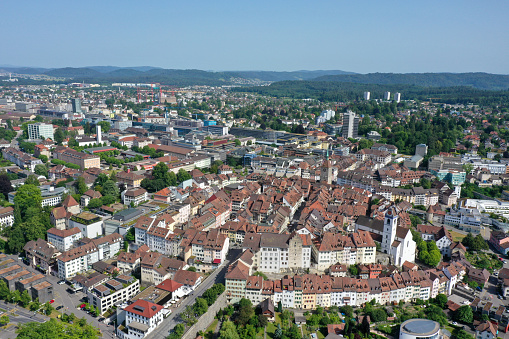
<point x="341" y="91"/>
<point x="282" y="76"/>
<point x="476" y="80"/>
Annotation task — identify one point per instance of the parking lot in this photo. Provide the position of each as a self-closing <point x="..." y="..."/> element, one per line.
<point x="69" y="302"/>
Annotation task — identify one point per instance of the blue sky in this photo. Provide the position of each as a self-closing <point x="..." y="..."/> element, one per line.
<point x="354" y="35"/>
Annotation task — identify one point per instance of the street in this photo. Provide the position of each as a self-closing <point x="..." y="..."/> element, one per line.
<point x="217" y="276"/>
<point x="69" y="301"/>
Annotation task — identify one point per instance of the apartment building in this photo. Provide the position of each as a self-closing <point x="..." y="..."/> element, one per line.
<point x="112" y="292"/>
<point x="130" y="179"/>
<point x="134" y="196"/>
<point x="141" y="318"/>
<point x="155" y="267"/>
<point x="210" y="247"/>
<point x="81" y="258"/>
<point x="64" y="239"/>
<point x="355" y="248"/>
<point x="6" y="217"/>
<point x="23" y="160"/>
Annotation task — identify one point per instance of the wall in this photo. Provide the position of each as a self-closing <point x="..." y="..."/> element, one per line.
<point x="205" y="320"/>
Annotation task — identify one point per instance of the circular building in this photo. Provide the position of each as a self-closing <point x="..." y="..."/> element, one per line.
<point x="419" y="328"/>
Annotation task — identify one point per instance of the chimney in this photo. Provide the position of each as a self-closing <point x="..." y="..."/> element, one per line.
<point x="99" y="139"/>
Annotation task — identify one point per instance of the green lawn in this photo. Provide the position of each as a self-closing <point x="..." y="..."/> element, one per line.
<point x="212" y="326"/>
<point x="484" y="260"/>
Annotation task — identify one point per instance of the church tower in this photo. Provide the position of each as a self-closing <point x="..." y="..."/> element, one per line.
<point x="389" y="230"/>
<point x="326" y="172"/>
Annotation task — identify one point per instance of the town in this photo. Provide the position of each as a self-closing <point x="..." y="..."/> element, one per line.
<point x="140" y="211"/>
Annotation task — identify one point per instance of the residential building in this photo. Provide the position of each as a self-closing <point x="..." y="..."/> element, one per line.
<point x="81" y="258"/>
<point x="141" y="318"/>
<point x="350" y="125"/>
<point x="130" y="179"/>
<point x="42" y="254"/>
<point x="352" y="249"/>
<point x="23" y="160"/>
<point x="91" y="225"/>
<point x="64" y="239"/>
<point x="6" y="217"/>
<point x="112" y="292"/>
<point x="500" y="241"/>
<point x="134" y="196"/>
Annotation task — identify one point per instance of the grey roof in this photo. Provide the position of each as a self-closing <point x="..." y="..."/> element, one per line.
<point x="420" y="327"/>
<point x="274" y="240"/>
<point x="374" y="224"/>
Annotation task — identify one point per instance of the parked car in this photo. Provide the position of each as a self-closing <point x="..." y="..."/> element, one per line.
<point x="59" y="307"/>
<point x="61" y="282"/>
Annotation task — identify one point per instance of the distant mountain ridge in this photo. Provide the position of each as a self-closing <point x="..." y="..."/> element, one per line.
<point x="477" y="80"/>
<point x="187" y="77"/>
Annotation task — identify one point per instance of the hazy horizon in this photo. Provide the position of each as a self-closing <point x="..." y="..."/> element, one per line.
<point x="361" y="36"/>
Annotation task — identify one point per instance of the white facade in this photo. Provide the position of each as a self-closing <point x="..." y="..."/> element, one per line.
<point x="90" y="231"/>
<point x="40" y="131"/>
<point x="64" y="243"/>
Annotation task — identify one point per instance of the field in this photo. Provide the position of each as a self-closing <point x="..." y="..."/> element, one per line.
<point x="457" y="236"/>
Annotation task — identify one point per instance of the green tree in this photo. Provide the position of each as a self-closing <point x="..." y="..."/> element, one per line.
<point x="4" y="290"/>
<point x="81" y="185"/>
<point x="461" y="334"/>
<point x="245" y="313"/>
<point x="101" y="179"/>
<point x="200" y="306"/>
<point x="441" y="300"/>
<point x="95" y="203"/>
<point x="5" y="185"/>
<point x="105" y="126"/>
<point x="110" y="188"/>
<point x="228" y="331"/>
<point x="48" y="309"/>
<point x="27" y="196"/>
<point x="25" y="298"/>
<point x="4" y="320"/>
<point x="32" y="180"/>
<point x="43" y="158"/>
<point x="191" y="268"/>
<point x="182" y="175"/>
<point x="34" y="305"/>
<point x="188" y="316"/>
<point x="365" y="327"/>
<point x="278" y="333"/>
<point x="354" y="270"/>
<point x="262" y="320"/>
<point x="237" y="142"/>
<point x="59" y="136"/>
<point x="464" y="314"/>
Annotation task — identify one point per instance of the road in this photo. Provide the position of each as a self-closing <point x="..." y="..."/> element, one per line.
<point x="69" y="301"/>
<point x="217" y="276"/>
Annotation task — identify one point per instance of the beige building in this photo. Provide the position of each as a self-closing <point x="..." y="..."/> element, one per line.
<point x="74" y="157"/>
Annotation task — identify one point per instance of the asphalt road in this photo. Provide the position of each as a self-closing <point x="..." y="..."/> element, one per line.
<point x="173" y="319"/>
<point x="70" y="302"/>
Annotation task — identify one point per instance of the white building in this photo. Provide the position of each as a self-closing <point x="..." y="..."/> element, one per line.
<point x="141" y="318"/>
<point x="419" y="329"/>
<point x="6" y="217"/>
<point x="135" y="196"/>
<point x="367" y="95"/>
<point x="397" y="97"/>
<point x="387" y="96"/>
<point x="65" y="239"/>
<point x="80" y="259"/>
<point x="105" y="296"/>
<point x="91" y="225"/>
<point x="40" y="131"/>
<point x="396" y="241"/>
